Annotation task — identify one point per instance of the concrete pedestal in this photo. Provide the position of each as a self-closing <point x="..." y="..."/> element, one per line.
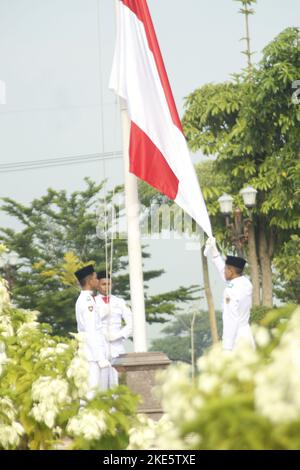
<point x="137" y="371"/>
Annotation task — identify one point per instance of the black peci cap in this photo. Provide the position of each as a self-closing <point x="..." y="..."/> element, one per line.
<point x="235" y="261"/>
<point x="84" y="272"/>
<point x="103" y="275"/>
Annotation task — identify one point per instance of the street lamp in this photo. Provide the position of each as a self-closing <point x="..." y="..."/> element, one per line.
<point x="239" y="227"/>
<point x="226" y="203"/>
<point x="7" y="262"/>
<point x="249" y="196"/>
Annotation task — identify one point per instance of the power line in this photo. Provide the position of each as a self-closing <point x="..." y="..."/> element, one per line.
<point x="39" y="109"/>
<point x="60" y="159"/>
<point x="63" y="161"/>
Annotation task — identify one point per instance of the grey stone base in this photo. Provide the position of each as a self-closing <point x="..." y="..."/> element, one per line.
<point x="138" y="371"/>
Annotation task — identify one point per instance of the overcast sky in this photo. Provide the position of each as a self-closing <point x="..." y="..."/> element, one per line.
<point x="55" y="57"/>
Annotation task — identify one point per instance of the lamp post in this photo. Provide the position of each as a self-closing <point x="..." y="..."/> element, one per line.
<point x="7" y="262"/>
<point x="239" y="226"/>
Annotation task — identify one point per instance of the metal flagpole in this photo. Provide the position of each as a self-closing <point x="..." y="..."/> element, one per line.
<point x="134" y="242"/>
<point x="133" y="229"/>
<point x="142" y="362"/>
<point x="133" y="237"/>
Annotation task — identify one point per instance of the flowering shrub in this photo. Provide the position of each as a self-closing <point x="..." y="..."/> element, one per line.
<point x="243" y="399"/>
<point x="43" y="386"/>
<point x="151" y="435"/>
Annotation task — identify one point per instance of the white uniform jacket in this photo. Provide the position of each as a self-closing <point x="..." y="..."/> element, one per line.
<point x="113" y="314"/>
<point x="237" y="302"/>
<point x="89" y="323"/>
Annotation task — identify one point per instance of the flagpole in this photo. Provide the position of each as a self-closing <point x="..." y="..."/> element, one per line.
<point x="136" y="279"/>
<point x="134" y="242"/>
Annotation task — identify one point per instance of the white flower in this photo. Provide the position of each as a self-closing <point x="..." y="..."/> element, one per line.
<point x="262" y="336"/>
<point x="207" y="383"/>
<point x="61" y="348"/>
<point x="227" y="389"/>
<point x="9" y="432"/>
<point x="7" y="408"/>
<point x="46" y="352"/>
<point x="245" y="375"/>
<point x="90" y="424"/>
<point x="175" y="377"/>
<point x="4" y="295"/>
<point x="57" y="430"/>
<point x="3" y="356"/>
<point x="3" y="248"/>
<point x="6" y="328"/>
<point x="50" y="395"/>
<point x="49" y="418"/>
<point x="10" y="435"/>
<point x="78" y="371"/>
<point x="149" y="434"/>
<point x="277" y="384"/>
<point x="27" y="328"/>
<point x="32" y="315"/>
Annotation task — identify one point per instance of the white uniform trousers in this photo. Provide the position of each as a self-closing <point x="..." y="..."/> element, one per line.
<point x="100" y="378"/>
<point x="114" y="376"/>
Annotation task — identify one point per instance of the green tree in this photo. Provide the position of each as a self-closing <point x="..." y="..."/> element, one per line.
<point x="177" y="340"/>
<point x="61" y="233"/>
<point x="287" y="265"/>
<point x="169" y="216"/>
<point x="43" y="385"/>
<point x="252" y="128"/>
<point x="247" y="11"/>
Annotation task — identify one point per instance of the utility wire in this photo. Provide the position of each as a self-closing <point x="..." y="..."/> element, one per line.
<point x="63" y="161"/>
<point x="58" y="159"/>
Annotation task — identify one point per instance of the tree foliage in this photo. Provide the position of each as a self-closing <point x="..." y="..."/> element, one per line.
<point x="61" y="233"/>
<point x="43" y="387"/>
<point x="287" y="265"/>
<point x="176" y="342"/>
<point x="252" y="127"/>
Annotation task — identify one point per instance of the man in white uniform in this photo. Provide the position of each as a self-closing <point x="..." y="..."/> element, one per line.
<point x="237" y="298"/>
<point x="89" y="323"/>
<point x="116" y="318"/>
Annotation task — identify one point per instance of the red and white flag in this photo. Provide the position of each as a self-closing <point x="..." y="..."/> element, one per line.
<point x="158" y="150"/>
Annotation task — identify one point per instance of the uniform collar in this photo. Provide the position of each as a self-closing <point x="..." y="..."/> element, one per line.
<point x="87" y="292"/>
<point x="236" y="279"/>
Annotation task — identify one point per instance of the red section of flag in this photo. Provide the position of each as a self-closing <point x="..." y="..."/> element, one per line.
<point x="140" y="9"/>
<point x="148" y="163"/>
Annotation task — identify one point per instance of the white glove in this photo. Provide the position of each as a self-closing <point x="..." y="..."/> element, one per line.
<point x="104" y="363"/>
<point x="210" y="245"/>
<point x="113" y="336"/>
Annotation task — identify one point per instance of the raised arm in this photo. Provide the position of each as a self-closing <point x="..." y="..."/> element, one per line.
<point x="217" y="259"/>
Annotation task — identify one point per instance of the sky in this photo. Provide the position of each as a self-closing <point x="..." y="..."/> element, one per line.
<point x="55" y="57"/>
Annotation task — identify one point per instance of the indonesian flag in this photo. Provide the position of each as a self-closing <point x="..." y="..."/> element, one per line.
<point x="158" y="150"/>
